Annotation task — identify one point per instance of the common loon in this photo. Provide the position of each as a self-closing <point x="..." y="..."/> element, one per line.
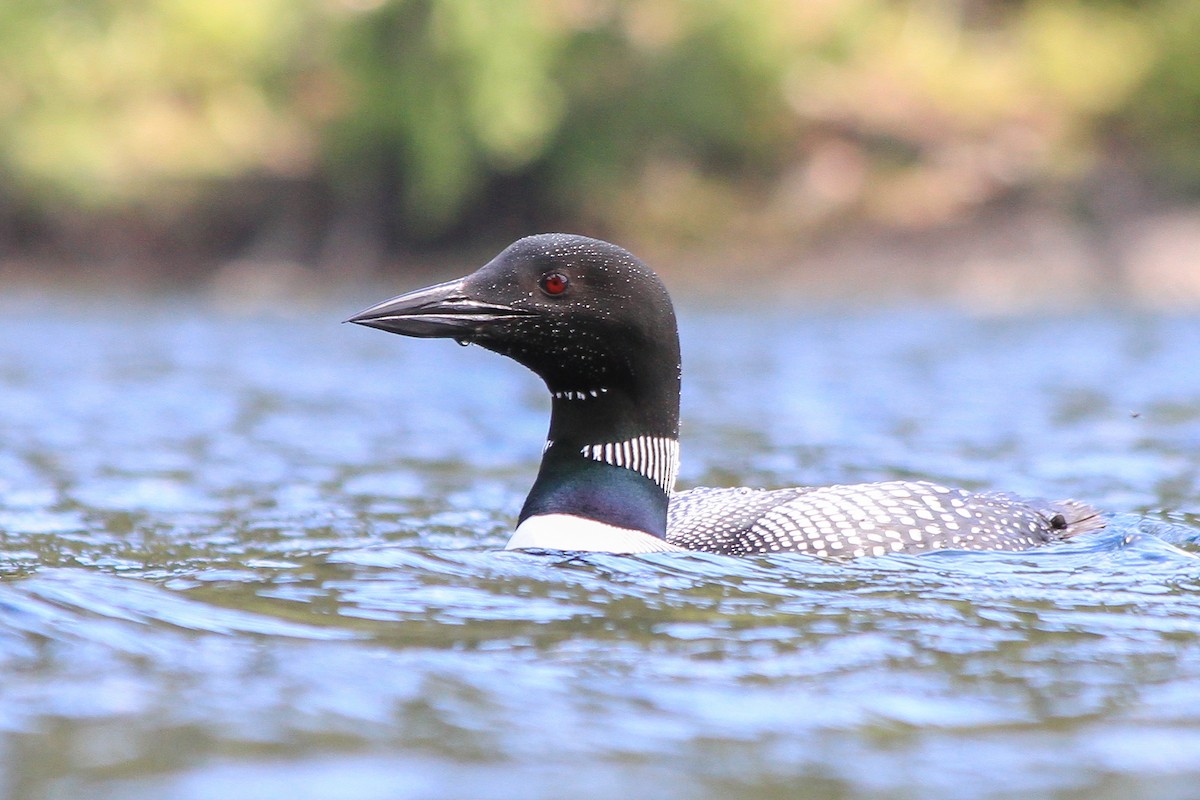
<point x="598" y="327"/>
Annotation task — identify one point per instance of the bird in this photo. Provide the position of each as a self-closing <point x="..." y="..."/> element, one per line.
<point x="598" y="327"/>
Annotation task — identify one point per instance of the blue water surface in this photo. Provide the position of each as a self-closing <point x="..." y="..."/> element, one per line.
<point x="248" y="556"/>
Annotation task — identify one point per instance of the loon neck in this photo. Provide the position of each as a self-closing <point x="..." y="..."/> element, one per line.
<point x="590" y="414"/>
<point x="609" y="459"/>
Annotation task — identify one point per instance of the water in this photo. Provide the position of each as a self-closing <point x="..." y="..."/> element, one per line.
<point x="260" y="557"/>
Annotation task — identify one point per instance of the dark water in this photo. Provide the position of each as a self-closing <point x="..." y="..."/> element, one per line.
<point x="260" y="558"/>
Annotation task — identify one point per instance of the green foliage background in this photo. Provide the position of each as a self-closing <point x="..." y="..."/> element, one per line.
<point x="688" y="118"/>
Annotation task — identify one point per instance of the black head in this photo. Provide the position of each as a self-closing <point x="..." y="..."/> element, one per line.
<point x="587" y="316"/>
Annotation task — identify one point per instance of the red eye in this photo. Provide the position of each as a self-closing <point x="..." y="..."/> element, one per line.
<point x="555" y="283"/>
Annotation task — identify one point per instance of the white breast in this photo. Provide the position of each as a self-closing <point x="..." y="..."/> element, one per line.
<point x="567" y="532"/>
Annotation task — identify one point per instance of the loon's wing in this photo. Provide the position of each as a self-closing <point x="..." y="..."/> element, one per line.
<point x="726" y="520"/>
<point x="868" y="519"/>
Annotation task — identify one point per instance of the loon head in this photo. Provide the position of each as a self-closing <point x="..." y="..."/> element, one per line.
<point x="593" y="321"/>
<point x="597" y="325"/>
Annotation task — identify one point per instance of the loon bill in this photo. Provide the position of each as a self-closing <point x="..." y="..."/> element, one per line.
<point x="597" y="325"/>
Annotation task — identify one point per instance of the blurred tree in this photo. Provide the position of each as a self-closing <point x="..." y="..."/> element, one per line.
<point x="1163" y="116"/>
<point x="687" y="118"/>
<point x="107" y="102"/>
<point x="442" y="94"/>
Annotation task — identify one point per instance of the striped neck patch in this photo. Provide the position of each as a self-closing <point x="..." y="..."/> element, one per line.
<point x="656" y="457"/>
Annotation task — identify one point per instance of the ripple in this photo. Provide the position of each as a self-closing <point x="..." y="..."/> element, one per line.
<point x="59" y="601"/>
<point x="252" y="557"/>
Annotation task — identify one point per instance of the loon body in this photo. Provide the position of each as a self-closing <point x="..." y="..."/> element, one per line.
<point x="598" y="327"/>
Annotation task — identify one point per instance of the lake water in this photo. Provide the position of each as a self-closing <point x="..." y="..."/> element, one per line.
<point x="260" y="557"/>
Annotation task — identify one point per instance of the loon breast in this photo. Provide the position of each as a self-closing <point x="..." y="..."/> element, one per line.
<point x="569" y="532"/>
